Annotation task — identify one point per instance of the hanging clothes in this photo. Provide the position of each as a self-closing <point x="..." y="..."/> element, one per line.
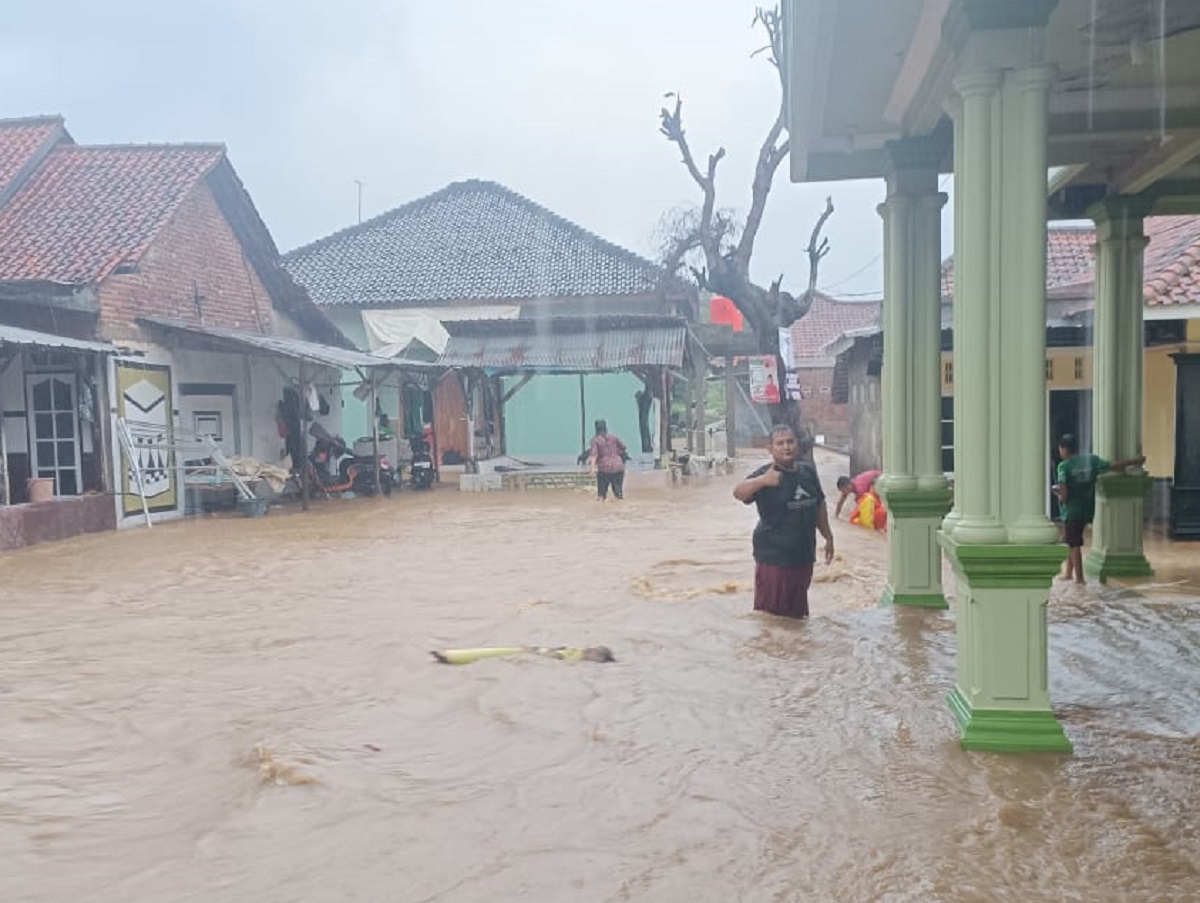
<point x="413" y="416"/>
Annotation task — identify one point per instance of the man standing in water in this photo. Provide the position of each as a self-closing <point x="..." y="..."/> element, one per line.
<point x="791" y="510"/>
<point x="608" y="455"/>
<point x="1076" y="490"/>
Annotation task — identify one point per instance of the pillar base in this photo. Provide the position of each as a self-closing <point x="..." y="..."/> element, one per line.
<point x="1117" y="534"/>
<point x="912" y="600"/>
<point x="1001" y="698"/>
<point x="914" y="557"/>
<point x="1103" y="565"/>
<point x="1007" y="730"/>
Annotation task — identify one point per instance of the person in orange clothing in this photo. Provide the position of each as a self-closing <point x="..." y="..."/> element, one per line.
<point x="858" y="487"/>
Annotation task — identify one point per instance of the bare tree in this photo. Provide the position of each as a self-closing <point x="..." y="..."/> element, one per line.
<point x="725" y="246"/>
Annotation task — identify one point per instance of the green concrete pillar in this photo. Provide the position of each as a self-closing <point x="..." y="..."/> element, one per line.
<point x="955" y="109"/>
<point x="1020" y="480"/>
<point x="1001" y="699"/>
<point x="975" y="428"/>
<point x="913" y="485"/>
<point x="1003" y="549"/>
<point x="1117" y="549"/>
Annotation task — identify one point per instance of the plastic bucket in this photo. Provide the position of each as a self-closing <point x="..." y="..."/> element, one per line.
<point x="40" y="489"/>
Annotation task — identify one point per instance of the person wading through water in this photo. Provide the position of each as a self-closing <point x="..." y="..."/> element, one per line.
<point x="1076" y="489"/>
<point x="608" y="456"/>
<point x="791" y="511"/>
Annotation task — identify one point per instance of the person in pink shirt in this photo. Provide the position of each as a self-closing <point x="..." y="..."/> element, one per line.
<point x="857" y="486"/>
<point x="607" y="457"/>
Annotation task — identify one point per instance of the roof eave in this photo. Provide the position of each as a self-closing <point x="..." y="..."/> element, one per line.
<point x="809" y="25"/>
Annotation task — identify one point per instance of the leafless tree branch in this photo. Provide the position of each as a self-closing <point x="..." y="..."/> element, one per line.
<point x="726" y="253"/>
<point x="671" y="125"/>
<point x="771" y="153"/>
<point x="818" y="246"/>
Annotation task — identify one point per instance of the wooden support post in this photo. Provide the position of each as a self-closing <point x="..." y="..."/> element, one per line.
<point x="517" y="387"/>
<point x="469" y="384"/>
<point x="664" y="414"/>
<point x="108" y="481"/>
<point x="730" y="399"/>
<point x="699" y="393"/>
<point x="583" y="434"/>
<point x="375" y="429"/>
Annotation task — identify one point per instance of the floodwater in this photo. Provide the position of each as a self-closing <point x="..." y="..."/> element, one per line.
<point x="245" y="711"/>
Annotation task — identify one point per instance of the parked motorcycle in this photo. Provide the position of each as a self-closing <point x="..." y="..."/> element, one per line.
<point x="337" y="469"/>
<point x="422" y="473"/>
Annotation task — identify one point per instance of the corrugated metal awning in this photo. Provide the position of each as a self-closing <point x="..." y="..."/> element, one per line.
<point x="15" y="335"/>
<point x="566" y="344"/>
<point x="212" y="338"/>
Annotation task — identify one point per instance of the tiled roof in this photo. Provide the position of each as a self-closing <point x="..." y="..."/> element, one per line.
<point x="470" y="241"/>
<point x="1172" y="262"/>
<point x="21" y="141"/>
<point x="827" y="319"/>
<point x="86" y="210"/>
<point x="1068" y="260"/>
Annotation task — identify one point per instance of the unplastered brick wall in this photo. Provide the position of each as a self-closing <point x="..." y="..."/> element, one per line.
<point x="822" y="415"/>
<point x="194" y="271"/>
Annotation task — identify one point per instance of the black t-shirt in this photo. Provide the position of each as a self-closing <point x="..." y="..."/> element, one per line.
<point x="786" y="535"/>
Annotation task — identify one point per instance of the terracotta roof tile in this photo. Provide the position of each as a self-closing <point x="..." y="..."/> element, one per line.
<point x="827" y="319"/>
<point x="1068" y="259"/>
<point x="21" y="140"/>
<point x="86" y="210"/>
<point x="470" y="241"/>
<point x="1172" y="262"/>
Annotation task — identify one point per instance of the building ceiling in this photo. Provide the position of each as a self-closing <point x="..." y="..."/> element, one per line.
<point x="1124" y="109"/>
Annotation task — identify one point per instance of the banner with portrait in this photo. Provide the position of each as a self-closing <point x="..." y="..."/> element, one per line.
<point x="764" y="379"/>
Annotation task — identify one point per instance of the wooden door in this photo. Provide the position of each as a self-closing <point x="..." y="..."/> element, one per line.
<point x="449" y="417"/>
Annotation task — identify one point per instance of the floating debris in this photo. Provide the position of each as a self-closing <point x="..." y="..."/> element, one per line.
<point x="272" y="771"/>
<point x="563" y="653"/>
<point x="647" y="589"/>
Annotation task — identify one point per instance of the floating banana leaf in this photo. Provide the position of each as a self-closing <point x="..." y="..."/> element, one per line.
<point x="563" y="653"/>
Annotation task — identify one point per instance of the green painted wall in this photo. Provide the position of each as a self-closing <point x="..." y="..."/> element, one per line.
<point x="356" y="415"/>
<point x="543" y="418"/>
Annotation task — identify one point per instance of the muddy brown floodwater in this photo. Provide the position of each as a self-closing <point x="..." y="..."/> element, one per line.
<point x="245" y="711"/>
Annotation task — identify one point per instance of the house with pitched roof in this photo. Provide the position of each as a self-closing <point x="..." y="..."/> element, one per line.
<point x="140" y="281"/>
<point x="826" y="320"/>
<point x="455" y="275"/>
<point x="1171" y="326"/>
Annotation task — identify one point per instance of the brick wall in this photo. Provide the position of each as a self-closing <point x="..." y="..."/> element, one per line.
<point x="820" y="412"/>
<point x="195" y="252"/>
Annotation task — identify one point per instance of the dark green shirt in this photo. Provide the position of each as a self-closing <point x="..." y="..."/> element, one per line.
<point x="1078" y="473"/>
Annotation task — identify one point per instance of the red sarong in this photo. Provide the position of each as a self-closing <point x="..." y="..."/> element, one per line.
<point x="782" y="591"/>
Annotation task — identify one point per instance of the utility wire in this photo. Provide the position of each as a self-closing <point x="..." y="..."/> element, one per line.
<point x="870" y="263"/>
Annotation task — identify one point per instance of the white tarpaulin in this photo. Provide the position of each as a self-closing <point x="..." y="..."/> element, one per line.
<point x="393" y="332"/>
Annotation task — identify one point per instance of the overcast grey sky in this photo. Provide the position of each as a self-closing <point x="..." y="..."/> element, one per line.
<point x="557" y="99"/>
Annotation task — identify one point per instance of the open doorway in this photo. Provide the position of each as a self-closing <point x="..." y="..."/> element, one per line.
<point x="1070" y="411"/>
